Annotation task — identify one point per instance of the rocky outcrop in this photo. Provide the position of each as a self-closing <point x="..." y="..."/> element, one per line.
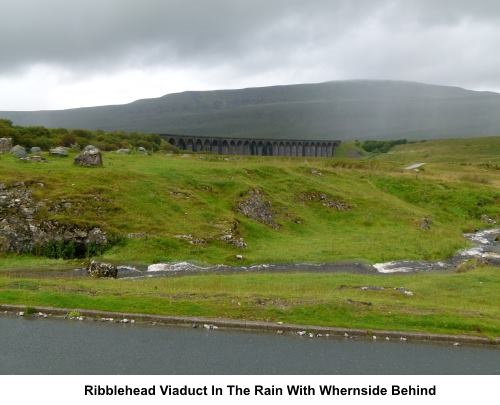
<point x="18" y="151"/>
<point x="5" y="145"/>
<point x="325" y="200"/>
<point x="238" y="242"/>
<point x="231" y="235"/>
<point x="102" y="270"/>
<point x="89" y="157"/>
<point x="257" y="207"/>
<point x="191" y="239"/>
<point x="22" y="231"/>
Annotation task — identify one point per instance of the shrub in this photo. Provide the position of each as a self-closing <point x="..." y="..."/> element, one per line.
<point x="46" y="138"/>
<point x="74" y="314"/>
<point x="381" y="146"/>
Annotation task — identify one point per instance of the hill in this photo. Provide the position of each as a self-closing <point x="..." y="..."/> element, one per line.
<point x="359" y="109"/>
<point x="195" y="207"/>
<point x="182" y="207"/>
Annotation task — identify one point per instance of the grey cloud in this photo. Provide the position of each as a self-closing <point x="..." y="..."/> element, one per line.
<point x="452" y="40"/>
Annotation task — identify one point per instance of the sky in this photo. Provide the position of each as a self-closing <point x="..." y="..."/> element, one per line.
<point x="58" y="54"/>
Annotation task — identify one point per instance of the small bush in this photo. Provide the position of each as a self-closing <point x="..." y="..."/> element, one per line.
<point x="47" y="138"/>
<point x="74" y="314"/>
<point x="381" y="146"/>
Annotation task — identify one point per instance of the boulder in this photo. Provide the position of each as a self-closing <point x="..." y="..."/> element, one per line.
<point x="89" y="157"/>
<point x="37" y="158"/>
<point x="59" y="151"/>
<point x="18" y="151"/>
<point x="5" y="145"/>
<point x="142" y="150"/>
<point x="89" y="148"/>
<point x="35" y="150"/>
<point x="102" y="270"/>
<point x="123" y="151"/>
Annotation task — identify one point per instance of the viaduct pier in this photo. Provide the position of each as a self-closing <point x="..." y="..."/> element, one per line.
<point x="252" y="146"/>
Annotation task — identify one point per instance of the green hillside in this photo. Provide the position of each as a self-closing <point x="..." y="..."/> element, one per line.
<point x="371" y="209"/>
<point x="361" y="109"/>
<point x="172" y="207"/>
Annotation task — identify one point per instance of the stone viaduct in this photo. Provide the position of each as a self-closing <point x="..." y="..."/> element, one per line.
<point x="252" y="146"/>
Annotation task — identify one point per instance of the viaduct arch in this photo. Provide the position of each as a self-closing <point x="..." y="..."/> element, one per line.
<point x="252" y="146"/>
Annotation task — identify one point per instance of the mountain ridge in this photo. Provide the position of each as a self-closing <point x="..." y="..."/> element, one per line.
<point x="351" y="109"/>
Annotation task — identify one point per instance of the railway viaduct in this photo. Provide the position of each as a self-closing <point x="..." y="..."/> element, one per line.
<point x="252" y="146"/>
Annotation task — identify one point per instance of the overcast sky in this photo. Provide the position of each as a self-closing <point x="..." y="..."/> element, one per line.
<point x="70" y="53"/>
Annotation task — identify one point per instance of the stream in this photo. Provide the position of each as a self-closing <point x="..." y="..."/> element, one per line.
<point x="485" y="246"/>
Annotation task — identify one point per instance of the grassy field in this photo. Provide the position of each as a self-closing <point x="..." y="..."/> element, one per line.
<point x="463" y="303"/>
<point x="160" y="197"/>
<point x="150" y="200"/>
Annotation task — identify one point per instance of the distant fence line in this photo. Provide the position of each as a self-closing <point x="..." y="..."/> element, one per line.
<point x="251" y="146"/>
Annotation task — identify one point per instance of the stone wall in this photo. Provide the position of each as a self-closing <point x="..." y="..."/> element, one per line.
<point x="5" y="145"/>
<point x="251" y="146"/>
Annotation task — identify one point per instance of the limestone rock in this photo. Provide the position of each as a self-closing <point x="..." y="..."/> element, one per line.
<point x="90" y="147"/>
<point x="5" y="145"/>
<point x="35" y="150"/>
<point x="59" y="151"/>
<point x="325" y="200"/>
<point x="425" y="224"/>
<point x="142" y="150"/>
<point x="485" y="219"/>
<point x="18" y="151"/>
<point x="22" y="231"/>
<point x="255" y="206"/>
<point x="232" y="237"/>
<point x="89" y="157"/>
<point x="239" y="243"/>
<point x="102" y="270"/>
<point x="37" y="158"/>
<point x="123" y="151"/>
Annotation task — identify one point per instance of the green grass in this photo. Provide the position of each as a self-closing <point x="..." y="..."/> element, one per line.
<point x="13" y="261"/>
<point x="163" y="196"/>
<point x="465" y="303"/>
<point x="349" y="149"/>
